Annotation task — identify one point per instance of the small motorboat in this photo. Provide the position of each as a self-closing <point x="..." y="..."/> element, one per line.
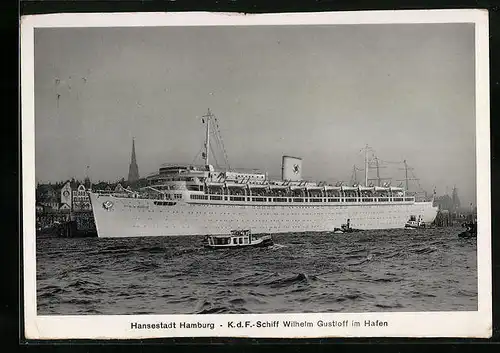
<point x="470" y="230"/>
<point x="345" y="228"/>
<point x="237" y="239"/>
<point x="414" y="223"/>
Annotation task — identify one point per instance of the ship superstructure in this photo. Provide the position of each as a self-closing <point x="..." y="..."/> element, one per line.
<point x="200" y="200"/>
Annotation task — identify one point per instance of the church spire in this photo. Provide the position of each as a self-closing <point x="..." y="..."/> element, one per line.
<point x="133" y="171"/>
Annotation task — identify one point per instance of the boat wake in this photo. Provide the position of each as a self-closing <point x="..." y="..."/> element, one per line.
<point x="277" y="247"/>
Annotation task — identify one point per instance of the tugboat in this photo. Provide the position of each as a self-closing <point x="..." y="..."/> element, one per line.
<point x="237" y="239"/>
<point x="345" y="228"/>
<point x="414" y="223"/>
<point x="470" y="231"/>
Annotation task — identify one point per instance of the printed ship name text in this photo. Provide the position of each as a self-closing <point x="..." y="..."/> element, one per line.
<point x="258" y="324"/>
<point x="301" y="324"/>
<point x="336" y="323"/>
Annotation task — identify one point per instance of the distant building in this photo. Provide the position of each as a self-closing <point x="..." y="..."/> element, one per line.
<point x="455" y="199"/>
<point x="81" y="199"/>
<point x="133" y="171"/>
<point x="449" y="203"/>
<point x="119" y="188"/>
<point x="66" y="195"/>
<point x="39" y="208"/>
<point x="443" y="202"/>
<point x="65" y="207"/>
<point x="48" y="197"/>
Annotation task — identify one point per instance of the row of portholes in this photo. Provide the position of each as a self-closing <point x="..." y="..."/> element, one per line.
<point x="322" y="215"/>
<point x="319" y="215"/>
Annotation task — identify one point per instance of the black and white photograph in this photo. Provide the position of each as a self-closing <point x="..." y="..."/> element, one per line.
<point x="276" y="175"/>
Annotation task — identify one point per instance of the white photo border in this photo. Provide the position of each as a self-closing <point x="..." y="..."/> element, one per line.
<point x="472" y="324"/>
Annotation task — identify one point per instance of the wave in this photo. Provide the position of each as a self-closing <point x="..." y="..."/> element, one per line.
<point x="116" y="251"/>
<point x="207" y="307"/>
<point x="425" y="250"/>
<point x="389" y="306"/>
<point x="52" y="289"/>
<point x="395" y="254"/>
<point x="237" y="301"/>
<point x="273" y="280"/>
<point x="466" y="293"/>
<point x="287" y="281"/>
<point x="417" y="294"/>
<point x="82" y="283"/>
<point x="80" y="301"/>
<point x="387" y="280"/>
<point x="276" y="247"/>
<point x="145" y="267"/>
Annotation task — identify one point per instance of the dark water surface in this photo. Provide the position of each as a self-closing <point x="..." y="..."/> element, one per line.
<point x="398" y="270"/>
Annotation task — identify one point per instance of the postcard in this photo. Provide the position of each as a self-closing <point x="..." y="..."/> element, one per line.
<point x="295" y="175"/>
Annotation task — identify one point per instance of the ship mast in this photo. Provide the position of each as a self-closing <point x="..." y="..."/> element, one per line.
<point x="406" y="173"/>
<point x="366" y="166"/>
<point x="354" y="178"/>
<point x="378" y="179"/>
<point x="366" y="149"/>
<point x="208" y="116"/>
<point x="407" y="179"/>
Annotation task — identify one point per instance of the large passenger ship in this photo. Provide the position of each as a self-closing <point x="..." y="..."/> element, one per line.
<point x="200" y="200"/>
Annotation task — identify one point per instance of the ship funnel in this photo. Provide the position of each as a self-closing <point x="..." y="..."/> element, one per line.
<point x="291" y="168"/>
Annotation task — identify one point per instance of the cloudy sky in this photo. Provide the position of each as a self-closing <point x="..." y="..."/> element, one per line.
<point x="317" y="92"/>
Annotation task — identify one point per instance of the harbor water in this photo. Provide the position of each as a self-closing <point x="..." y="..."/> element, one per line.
<point x="372" y="271"/>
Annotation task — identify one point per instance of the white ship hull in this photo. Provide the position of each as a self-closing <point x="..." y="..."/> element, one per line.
<point x="132" y="217"/>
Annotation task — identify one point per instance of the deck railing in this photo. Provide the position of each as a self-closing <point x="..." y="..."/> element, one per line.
<point x="272" y="199"/>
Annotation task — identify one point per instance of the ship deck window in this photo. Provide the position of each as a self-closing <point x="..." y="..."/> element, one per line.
<point x="235" y="198"/>
<point x="194" y="187"/>
<point x="164" y="203"/>
<point x="198" y="197"/>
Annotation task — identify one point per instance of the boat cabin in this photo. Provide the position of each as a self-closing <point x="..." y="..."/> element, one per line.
<point x="242" y="237"/>
<point x="237" y="237"/>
